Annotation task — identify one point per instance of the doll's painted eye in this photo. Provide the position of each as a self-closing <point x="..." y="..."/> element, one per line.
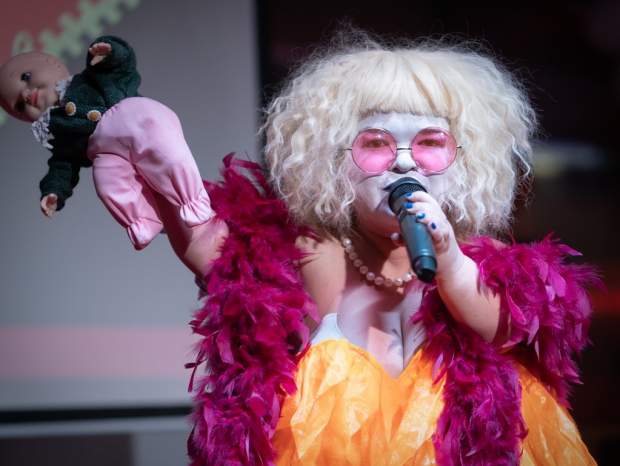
<point x="26" y="76"/>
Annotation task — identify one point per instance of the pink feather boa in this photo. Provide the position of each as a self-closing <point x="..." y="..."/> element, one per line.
<point x="252" y="325"/>
<point x="253" y="335"/>
<point x="544" y="302"/>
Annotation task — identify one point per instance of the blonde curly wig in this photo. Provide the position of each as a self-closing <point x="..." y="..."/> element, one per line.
<point x="316" y="115"/>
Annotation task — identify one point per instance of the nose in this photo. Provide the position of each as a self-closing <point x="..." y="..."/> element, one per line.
<point x="25" y="94"/>
<point x="404" y="161"/>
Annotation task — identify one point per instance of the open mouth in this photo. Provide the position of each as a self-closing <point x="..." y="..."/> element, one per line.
<point x="34" y="97"/>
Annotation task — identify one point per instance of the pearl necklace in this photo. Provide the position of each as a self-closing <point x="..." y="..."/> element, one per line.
<point x="376" y="279"/>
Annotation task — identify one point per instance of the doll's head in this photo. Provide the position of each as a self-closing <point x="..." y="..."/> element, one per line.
<point x="313" y="122"/>
<point x="28" y="84"/>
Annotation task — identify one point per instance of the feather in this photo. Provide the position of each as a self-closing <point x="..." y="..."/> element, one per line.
<point x="481" y="423"/>
<point x="549" y="311"/>
<point x="253" y="334"/>
<point x="251" y="324"/>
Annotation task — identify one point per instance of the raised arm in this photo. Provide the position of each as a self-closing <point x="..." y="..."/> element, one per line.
<point x="197" y="247"/>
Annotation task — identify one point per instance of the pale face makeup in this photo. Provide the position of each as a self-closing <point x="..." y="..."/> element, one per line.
<point x="371" y="206"/>
<point x="28" y="84"/>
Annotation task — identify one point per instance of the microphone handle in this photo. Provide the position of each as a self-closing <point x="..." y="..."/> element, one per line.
<point x="419" y="246"/>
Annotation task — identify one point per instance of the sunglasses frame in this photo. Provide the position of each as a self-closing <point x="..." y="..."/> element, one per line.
<point x="395" y="153"/>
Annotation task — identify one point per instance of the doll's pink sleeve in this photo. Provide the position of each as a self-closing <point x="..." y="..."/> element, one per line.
<point x="543" y="300"/>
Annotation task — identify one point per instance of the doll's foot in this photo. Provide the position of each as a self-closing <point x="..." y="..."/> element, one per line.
<point x="142" y="231"/>
<point x="197" y="211"/>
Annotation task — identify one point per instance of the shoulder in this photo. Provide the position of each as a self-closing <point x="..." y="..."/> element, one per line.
<point x="323" y="270"/>
<point x="318" y="249"/>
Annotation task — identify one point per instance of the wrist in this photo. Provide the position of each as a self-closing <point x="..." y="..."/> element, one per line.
<point x="451" y="265"/>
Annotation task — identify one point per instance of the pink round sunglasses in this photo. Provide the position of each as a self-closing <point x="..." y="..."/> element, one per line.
<point x="433" y="150"/>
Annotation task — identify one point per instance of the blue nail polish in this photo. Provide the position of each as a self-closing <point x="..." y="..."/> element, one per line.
<point x="433" y="226"/>
<point x="408" y="194"/>
<point x="408" y="205"/>
<point x="421" y="215"/>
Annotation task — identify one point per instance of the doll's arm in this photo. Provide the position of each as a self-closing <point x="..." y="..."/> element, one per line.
<point x="60" y="180"/>
<point x="120" y="59"/>
<point x="99" y="50"/>
<point x="49" y="204"/>
<point x="116" y="74"/>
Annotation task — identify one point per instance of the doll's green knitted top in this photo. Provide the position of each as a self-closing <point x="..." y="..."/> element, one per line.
<point x="87" y="97"/>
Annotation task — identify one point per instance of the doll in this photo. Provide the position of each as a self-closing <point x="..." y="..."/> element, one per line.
<point x="135" y="144"/>
<point x="471" y="369"/>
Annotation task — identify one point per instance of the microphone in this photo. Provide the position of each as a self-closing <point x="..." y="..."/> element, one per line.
<point x="417" y="238"/>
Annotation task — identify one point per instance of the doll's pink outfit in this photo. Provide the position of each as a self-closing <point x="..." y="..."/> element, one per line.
<point x="138" y="148"/>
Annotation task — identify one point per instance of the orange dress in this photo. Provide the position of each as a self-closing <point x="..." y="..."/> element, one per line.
<point x="349" y="411"/>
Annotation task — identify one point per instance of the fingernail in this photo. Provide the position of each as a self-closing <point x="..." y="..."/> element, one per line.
<point x="433" y="226"/>
<point x="408" y="205"/>
<point x="421" y="215"/>
<point x="408" y="194"/>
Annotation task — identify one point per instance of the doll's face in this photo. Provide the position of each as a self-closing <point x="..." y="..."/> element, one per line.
<point x="371" y="200"/>
<point x="28" y="84"/>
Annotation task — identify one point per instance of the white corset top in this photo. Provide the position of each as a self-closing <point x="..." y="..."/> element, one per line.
<point x="329" y="329"/>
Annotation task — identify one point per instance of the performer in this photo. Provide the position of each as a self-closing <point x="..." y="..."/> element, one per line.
<point x="135" y="144"/>
<point x="473" y="368"/>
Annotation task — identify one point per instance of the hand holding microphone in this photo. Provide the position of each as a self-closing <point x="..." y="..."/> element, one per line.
<point x="415" y="234"/>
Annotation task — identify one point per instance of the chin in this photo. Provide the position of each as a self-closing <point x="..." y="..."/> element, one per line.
<point x="380" y="221"/>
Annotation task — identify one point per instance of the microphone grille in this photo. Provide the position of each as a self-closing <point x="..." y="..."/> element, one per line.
<point x="399" y="188"/>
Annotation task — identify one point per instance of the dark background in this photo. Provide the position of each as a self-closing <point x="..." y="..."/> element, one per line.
<point x="568" y="56"/>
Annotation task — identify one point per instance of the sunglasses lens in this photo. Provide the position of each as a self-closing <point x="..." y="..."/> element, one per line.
<point x="374" y="151"/>
<point x="434" y="150"/>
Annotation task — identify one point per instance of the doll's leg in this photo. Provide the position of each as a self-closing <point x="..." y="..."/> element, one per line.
<point x="127" y="198"/>
<point x="164" y="160"/>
